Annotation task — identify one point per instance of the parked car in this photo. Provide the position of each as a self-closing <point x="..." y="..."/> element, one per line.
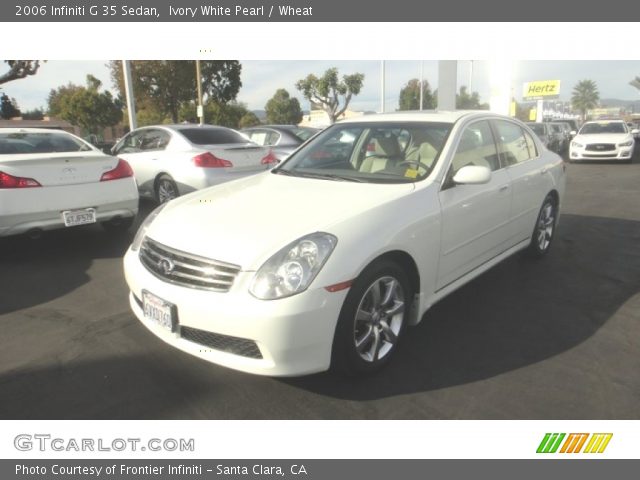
<point x="171" y="160"/>
<point x="283" y="139"/>
<point x="573" y="124"/>
<point x="546" y="135"/>
<point x="324" y="260"/>
<point x="562" y="135"/>
<point x="52" y="179"/>
<point x="603" y="140"/>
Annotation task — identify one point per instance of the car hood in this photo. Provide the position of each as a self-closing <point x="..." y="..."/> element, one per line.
<point x="246" y="221"/>
<point x="603" y="138"/>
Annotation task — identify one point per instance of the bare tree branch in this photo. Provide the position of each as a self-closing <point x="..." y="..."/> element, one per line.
<point x="19" y="69"/>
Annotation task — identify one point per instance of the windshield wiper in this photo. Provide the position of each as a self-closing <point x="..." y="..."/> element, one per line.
<point x="331" y="176"/>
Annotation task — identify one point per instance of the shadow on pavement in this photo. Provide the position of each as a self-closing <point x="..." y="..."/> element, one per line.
<point x="56" y="263"/>
<point x="519" y="313"/>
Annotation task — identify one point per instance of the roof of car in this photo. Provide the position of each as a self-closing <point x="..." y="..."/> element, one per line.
<point x="443" y="116"/>
<point x="605" y="121"/>
<point x="31" y="130"/>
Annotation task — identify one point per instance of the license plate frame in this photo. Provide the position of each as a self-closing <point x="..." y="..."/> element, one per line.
<point x="159" y="312"/>
<point x="74" y="218"/>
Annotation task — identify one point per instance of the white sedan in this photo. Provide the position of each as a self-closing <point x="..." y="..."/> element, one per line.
<point x="171" y="160"/>
<point x="325" y="260"/>
<point x="603" y="140"/>
<point x="51" y="179"/>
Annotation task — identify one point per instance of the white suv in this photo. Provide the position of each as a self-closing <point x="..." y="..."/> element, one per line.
<point x="603" y="140"/>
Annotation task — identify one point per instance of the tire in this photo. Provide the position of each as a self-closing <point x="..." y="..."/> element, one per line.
<point x="372" y="319"/>
<point x="166" y="189"/>
<point x="544" y="229"/>
<point x="118" y="224"/>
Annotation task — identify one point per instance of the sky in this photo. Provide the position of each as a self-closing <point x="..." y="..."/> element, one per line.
<point x="260" y="78"/>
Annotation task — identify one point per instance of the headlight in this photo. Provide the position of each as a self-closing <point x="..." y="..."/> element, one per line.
<point x="292" y="269"/>
<point x="626" y="144"/>
<point x="576" y="144"/>
<point x="142" y="231"/>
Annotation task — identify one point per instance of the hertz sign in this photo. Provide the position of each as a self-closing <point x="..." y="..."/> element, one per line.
<point x="541" y="90"/>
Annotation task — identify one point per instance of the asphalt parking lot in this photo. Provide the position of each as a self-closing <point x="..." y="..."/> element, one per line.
<point x="553" y="339"/>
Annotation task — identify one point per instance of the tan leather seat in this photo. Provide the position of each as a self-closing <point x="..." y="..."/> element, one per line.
<point x="384" y="149"/>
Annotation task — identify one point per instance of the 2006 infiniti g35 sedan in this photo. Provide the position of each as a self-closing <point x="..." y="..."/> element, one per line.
<point x="325" y="260"/>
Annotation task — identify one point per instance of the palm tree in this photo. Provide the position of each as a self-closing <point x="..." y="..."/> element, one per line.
<point x="635" y="83"/>
<point x="585" y="96"/>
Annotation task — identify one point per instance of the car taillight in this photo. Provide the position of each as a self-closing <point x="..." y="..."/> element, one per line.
<point x="209" y="160"/>
<point x="122" y="170"/>
<point x="269" y="159"/>
<point x="9" y="181"/>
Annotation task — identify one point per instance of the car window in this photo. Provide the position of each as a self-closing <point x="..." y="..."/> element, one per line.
<point x="384" y="152"/>
<point x="512" y="143"/>
<point x="212" y="136"/>
<point x="273" y="137"/>
<point x="154" y="139"/>
<point x="604" y="127"/>
<point x="132" y="143"/>
<point x="40" y="142"/>
<point x="476" y="147"/>
<point x="531" y="145"/>
<point x="538" y="128"/>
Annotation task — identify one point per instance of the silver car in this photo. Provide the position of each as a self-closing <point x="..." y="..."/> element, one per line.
<point x="171" y="160"/>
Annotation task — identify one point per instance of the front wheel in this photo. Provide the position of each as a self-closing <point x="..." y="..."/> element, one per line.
<point x="372" y="319"/>
<point x="544" y="229"/>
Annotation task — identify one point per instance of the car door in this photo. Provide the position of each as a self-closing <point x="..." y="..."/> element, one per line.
<point x="144" y="151"/>
<point x="526" y="168"/>
<point x="474" y="217"/>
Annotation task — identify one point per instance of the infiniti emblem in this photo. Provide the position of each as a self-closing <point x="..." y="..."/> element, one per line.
<point x="166" y="266"/>
<point x="68" y="170"/>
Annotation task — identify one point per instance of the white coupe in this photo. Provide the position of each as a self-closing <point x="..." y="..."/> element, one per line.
<point x="323" y="261"/>
<point x="603" y="140"/>
<point x="51" y="179"/>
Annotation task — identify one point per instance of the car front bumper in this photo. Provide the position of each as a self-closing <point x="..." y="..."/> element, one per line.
<point x="293" y="335"/>
<point x="620" y="153"/>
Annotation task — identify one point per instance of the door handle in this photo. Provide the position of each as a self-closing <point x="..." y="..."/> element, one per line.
<point x="544" y="170"/>
<point x="503" y="188"/>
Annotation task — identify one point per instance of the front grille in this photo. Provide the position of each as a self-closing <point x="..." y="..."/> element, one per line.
<point x="225" y="343"/>
<point x="186" y="269"/>
<point x="600" y="147"/>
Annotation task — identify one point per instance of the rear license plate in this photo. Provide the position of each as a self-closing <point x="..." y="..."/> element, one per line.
<point x="159" y="311"/>
<point x="79" y="217"/>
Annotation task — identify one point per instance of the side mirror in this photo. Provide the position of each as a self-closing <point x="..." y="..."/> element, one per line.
<point x="472" y="175"/>
<point x="573" y="133"/>
<point x="635" y="131"/>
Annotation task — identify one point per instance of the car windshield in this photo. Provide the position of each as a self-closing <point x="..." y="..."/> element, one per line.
<point x="304" y="133"/>
<point x="538" y="128"/>
<point x="374" y="152"/>
<point x="608" y="127"/>
<point x="39" y="142"/>
<point x="212" y="136"/>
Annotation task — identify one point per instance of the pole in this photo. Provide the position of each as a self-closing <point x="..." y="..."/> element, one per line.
<point x="128" y="88"/>
<point x="421" y="84"/>
<point x="381" y="86"/>
<point x="471" y="78"/>
<point x="199" y="83"/>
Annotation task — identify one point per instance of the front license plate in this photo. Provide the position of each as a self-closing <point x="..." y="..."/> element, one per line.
<point x="159" y="311"/>
<point x="79" y="217"/>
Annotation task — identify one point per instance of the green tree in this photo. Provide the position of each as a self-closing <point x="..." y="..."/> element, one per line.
<point x="19" y="69"/>
<point x="466" y="101"/>
<point x="329" y="92"/>
<point x="8" y="107"/>
<point x="225" y="114"/>
<point x="585" y="96"/>
<point x="85" y="107"/>
<point x="167" y="84"/>
<point x="635" y="83"/>
<point x="282" y="109"/>
<point x="249" y="119"/>
<point x="410" y="96"/>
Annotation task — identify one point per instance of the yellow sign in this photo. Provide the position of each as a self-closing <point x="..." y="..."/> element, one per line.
<point x="541" y="90"/>
<point x="533" y="114"/>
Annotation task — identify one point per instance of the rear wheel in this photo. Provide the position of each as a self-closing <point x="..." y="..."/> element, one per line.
<point x="166" y="189"/>
<point x="372" y="319"/>
<point x="544" y="229"/>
